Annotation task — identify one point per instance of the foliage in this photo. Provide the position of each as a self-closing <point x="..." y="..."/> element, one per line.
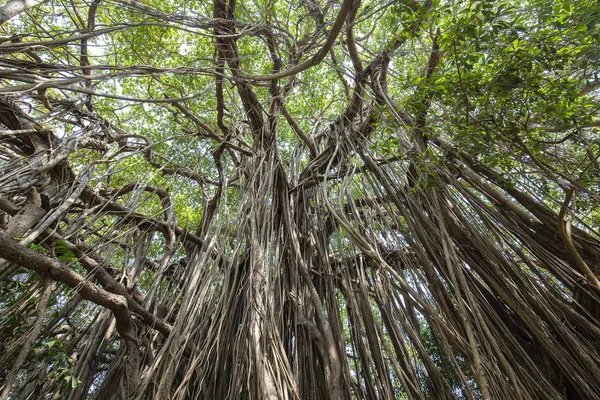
<point x="315" y="199"/>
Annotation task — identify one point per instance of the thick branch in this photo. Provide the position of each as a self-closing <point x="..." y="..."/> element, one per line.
<point x="16" y="7"/>
<point x="347" y="6"/>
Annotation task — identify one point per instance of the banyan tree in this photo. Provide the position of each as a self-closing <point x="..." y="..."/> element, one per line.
<point x="313" y="199"/>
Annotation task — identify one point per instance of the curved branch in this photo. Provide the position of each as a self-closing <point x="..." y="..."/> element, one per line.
<point x="347" y="6"/>
<point x="16" y="7"/>
<point x="564" y="233"/>
<point x="48" y="267"/>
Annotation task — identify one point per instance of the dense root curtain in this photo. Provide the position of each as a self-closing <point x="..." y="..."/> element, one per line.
<point x="185" y="228"/>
